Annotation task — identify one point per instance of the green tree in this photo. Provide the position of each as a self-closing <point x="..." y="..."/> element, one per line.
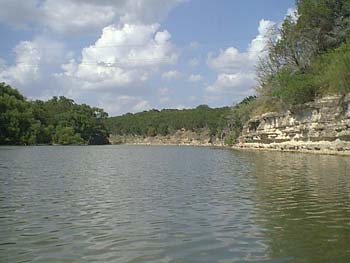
<point x="16" y="117"/>
<point x="306" y="60"/>
<point x="67" y="135"/>
<point x="59" y="120"/>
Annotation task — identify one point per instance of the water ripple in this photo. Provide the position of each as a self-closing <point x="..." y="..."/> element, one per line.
<point x="172" y="204"/>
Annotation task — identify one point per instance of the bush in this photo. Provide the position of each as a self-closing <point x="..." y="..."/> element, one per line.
<point x="67" y="136"/>
<point x="232" y="137"/>
<point x="295" y="88"/>
<point x="240" y="114"/>
<point x="334" y="71"/>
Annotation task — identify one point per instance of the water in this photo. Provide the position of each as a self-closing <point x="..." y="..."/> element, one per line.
<point x="172" y="204"/>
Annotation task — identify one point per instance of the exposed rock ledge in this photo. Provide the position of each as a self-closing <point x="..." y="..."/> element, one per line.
<point x="181" y="137"/>
<point x="322" y="126"/>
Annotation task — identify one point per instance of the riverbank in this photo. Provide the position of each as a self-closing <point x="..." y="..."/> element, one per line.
<point x="200" y="137"/>
<point x="322" y="127"/>
<point x="323" y="148"/>
<point x="311" y="148"/>
<point x="296" y="147"/>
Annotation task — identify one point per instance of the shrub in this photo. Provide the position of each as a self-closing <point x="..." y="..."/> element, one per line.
<point x="295" y="88"/>
<point x="334" y="71"/>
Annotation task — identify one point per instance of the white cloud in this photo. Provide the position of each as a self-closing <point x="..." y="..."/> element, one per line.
<point x="236" y="70"/>
<point x="258" y="47"/>
<point x="229" y="60"/>
<point x="82" y="16"/>
<point x="116" y="105"/>
<point x="232" y="60"/>
<point x="35" y="61"/>
<point x="239" y="84"/>
<point x="195" y="78"/>
<point x="142" y="105"/>
<point x="122" y="57"/>
<point x="171" y="75"/>
<point x="67" y="16"/>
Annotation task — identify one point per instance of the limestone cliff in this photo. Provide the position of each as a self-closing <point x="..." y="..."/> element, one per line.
<point x="199" y="137"/>
<point x="323" y="125"/>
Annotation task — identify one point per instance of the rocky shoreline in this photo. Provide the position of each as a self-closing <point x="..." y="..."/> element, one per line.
<point x="322" y="127"/>
<point x="180" y="137"/>
<point x="311" y="148"/>
<point x="325" y="148"/>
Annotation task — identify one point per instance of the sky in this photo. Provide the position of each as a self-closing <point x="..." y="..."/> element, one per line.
<point x="134" y="55"/>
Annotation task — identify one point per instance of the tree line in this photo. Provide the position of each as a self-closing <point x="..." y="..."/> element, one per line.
<point x="56" y="121"/>
<point x="168" y="121"/>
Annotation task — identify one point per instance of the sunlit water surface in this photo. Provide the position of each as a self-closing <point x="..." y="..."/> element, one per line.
<point x="172" y="204"/>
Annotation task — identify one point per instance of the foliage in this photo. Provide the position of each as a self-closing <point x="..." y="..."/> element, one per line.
<point x="67" y="136"/>
<point x="16" y="119"/>
<point x="310" y="57"/>
<point x="168" y="121"/>
<point x="333" y="70"/>
<point x="240" y="114"/>
<point x="294" y="88"/>
<point x="59" y="120"/>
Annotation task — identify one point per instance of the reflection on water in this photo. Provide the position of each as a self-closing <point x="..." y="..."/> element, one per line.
<point x="172" y="204"/>
<point x="305" y="205"/>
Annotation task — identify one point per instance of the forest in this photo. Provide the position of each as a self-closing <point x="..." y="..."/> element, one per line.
<point x="61" y="121"/>
<point x="56" y="121"/>
<point x="168" y="121"/>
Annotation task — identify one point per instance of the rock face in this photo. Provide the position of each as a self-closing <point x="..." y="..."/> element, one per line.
<point x="323" y="125"/>
<point x="180" y="137"/>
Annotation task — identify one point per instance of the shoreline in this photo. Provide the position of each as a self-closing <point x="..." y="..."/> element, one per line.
<point x="258" y="147"/>
<point x="308" y="151"/>
<point x="281" y="147"/>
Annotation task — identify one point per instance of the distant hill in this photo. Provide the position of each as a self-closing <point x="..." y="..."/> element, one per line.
<point x="168" y="121"/>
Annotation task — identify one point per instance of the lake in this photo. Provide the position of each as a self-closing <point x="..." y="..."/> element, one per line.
<point x="172" y="204"/>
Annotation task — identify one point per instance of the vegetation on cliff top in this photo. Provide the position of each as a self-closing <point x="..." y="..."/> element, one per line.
<point x="56" y="121"/>
<point x="311" y="57"/>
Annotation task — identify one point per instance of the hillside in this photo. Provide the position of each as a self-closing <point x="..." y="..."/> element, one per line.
<point x="201" y="121"/>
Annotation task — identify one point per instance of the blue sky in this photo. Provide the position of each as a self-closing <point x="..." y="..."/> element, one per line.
<point x="133" y="55"/>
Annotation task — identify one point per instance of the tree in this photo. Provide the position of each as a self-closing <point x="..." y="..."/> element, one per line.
<point x="16" y="117"/>
<point x="290" y="73"/>
<point x="59" y="120"/>
<point x="66" y="136"/>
